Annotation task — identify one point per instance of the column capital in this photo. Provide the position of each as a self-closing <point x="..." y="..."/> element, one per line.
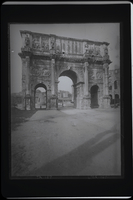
<point x="86" y="64"/>
<point x="85" y="67"/>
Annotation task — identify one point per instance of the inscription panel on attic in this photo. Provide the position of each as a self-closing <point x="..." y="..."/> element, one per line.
<point x="47" y="57"/>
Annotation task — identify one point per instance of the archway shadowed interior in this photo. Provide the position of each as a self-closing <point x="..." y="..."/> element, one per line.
<point x="94" y="96"/>
<point x="111" y="100"/>
<point x="40" y="85"/>
<point x="116" y="98"/>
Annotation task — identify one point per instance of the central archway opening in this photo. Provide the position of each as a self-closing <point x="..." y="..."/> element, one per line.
<point x="67" y="89"/>
<point x="40" y="96"/>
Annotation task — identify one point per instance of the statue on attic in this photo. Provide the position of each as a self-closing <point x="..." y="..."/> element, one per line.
<point x="27" y="40"/>
<point x="105" y="56"/>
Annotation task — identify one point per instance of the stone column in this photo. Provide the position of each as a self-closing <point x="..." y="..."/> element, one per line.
<point x="86" y="79"/>
<point x="48" y="99"/>
<point x="86" y="98"/>
<point x="56" y="92"/>
<point x="81" y="103"/>
<point x="27" y="59"/>
<point x="106" y="97"/>
<point x="28" y="95"/>
<point x="32" y="98"/>
<point x="53" y="101"/>
<point x="113" y="89"/>
<point x="53" y="76"/>
<point x="72" y="93"/>
<point x="75" y="95"/>
<point x="106" y="67"/>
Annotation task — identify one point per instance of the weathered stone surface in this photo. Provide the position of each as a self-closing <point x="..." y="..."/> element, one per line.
<point x="47" y="57"/>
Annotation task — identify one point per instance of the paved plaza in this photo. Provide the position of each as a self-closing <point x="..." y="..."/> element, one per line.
<point x="68" y="142"/>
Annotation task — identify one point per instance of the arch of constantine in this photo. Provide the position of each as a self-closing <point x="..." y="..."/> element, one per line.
<point x="45" y="58"/>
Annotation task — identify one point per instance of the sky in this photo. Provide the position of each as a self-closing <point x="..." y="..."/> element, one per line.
<point x="108" y="32"/>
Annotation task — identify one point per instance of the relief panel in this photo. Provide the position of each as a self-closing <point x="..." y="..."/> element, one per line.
<point x="36" y="42"/>
<point x="90" y="74"/>
<point x="92" y="49"/>
<point x="94" y="74"/>
<point x="45" y="43"/>
<point x="40" y="71"/>
<point x="40" y="63"/>
<point x="27" y="40"/>
<point x="99" y="74"/>
<point x="58" y="45"/>
<point x="52" y="43"/>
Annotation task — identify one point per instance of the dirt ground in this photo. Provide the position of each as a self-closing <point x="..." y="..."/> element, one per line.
<point x="67" y="142"/>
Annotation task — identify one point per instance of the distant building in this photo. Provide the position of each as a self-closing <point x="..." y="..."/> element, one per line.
<point x="114" y="85"/>
<point x="64" y="94"/>
<point x="40" y="97"/>
<point x="64" y="97"/>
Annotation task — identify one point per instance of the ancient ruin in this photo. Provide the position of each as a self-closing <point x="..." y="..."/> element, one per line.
<point x="47" y="57"/>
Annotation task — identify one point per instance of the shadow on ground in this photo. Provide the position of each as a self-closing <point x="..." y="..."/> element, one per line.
<point x="75" y="161"/>
<point x="19" y="116"/>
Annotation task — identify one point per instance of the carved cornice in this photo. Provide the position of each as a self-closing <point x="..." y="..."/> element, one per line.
<point x="46" y="57"/>
<point x="24" y="54"/>
<point x="68" y="59"/>
<point x="64" y="38"/>
<point x="107" y="61"/>
<point x="60" y="57"/>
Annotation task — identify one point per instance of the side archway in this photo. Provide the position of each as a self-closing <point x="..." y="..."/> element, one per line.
<point x="94" y="96"/>
<point x="111" y="99"/>
<point x="40" y="96"/>
<point x="116" y="98"/>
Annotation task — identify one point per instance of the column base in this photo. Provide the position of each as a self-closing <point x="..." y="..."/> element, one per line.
<point x="86" y="102"/>
<point x="27" y="102"/>
<point x="53" y="102"/>
<point x="105" y="102"/>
